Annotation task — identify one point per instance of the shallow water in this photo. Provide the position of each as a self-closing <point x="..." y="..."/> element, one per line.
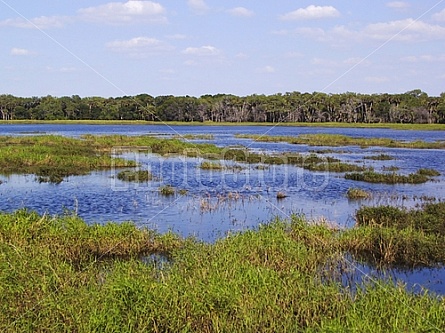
<point x="218" y="203"/>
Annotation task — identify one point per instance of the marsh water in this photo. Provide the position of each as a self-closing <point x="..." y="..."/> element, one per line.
<point x="215" y="203"/>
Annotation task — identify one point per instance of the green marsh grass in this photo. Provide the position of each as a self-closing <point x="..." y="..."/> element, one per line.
<point x="338" y="140"/>
<point x="355" y="193"/>
<point x="380" y="157"/>
<point x="391" y="236"/>
<point x="211" y="165"/>
<point x="428" y="172"/>
<point x="135" y="176"/>
<point x="167" y="190"/>
<point x="388" y="178"/>
<point x="52" y="157"/>
<point x="59" y="274"/>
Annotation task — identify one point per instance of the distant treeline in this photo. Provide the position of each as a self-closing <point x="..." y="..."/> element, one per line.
<point x="411" y="107"/>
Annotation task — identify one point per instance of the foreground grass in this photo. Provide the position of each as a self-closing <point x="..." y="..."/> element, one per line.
<point x="338" y="140"/>
<point x="58" y="274"/>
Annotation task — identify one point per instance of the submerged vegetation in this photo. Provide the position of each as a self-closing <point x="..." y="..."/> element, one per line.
<point x="59" y="274"/>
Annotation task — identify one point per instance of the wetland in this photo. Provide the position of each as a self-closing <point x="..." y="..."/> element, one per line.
<point x="163" y="228"/>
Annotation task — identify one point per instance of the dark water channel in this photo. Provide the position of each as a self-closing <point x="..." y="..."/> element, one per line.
<point x="218" y="203"/>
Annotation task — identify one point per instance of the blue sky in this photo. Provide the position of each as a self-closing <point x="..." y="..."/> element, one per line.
<point x="243" y="47"/>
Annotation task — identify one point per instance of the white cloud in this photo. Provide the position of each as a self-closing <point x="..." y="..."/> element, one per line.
<point x="266" y="69"/>
<point x="398" y="4"/>
<point x="20" y="52"/>
<point x="408" y="30"/>
<point x="139" y="46"/>
<point x="312" y="12"/>
<point x="405" y="30"/>
<point x="125" y="12"/>
<point x="241" y="11"/>
<point x="202" y="51"/>
<point x="242" y="56"/>
<point x="198" y="6"/>
<point x="42" y="22"/>
<point x="440" y="16"/>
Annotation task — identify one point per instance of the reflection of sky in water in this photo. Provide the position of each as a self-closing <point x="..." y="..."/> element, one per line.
<point x="219" y="202"/>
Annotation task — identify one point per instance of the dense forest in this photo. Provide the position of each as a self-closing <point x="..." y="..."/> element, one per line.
<point x="411" y="107"/>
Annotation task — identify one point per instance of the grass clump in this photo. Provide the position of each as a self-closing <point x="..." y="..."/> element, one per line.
<point x="357" y="193"/>
<point x="428" y="172"/>
<point x="390" y="236"/>
<point x="167" y="190"/>
<point x="388" y="178"/>
<point x="380" y="157"/>
<point x="194" y="136"/>
<point x="139" y="176"/>
<point x="210" y="165"/>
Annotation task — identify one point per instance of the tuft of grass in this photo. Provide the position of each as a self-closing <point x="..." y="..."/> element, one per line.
<point x="167" y="190"/>
<point x="388" y="178"/>
<point x="390" y="236"/>
<point x="428" y="172"/>
<point x="357" y="193"/>
<point x="135" y="176"/>
<point x="210" y="165"/>
<point x="194" y="136"/>
<point x="380" y="157"/>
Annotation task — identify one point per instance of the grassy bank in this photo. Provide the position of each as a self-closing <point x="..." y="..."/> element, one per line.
<point x="396" y="126"/>
<point x="59" y="274"/>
